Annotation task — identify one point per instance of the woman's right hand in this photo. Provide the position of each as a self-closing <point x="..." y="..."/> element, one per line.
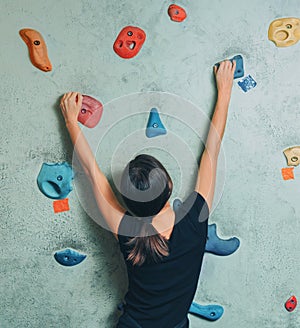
<point x="224" y="77"/>
<point x="70" y="105"/>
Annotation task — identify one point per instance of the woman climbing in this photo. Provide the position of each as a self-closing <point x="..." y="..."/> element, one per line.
<point x="163" y="251"/>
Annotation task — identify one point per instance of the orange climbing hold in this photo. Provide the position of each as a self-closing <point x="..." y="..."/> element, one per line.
<point x="176" y="13"/>
<point x="287" y="173"/>
<point x="37" y="49"/>
<point x="61" y="205"/>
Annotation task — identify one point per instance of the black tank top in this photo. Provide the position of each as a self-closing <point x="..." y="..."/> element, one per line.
<point x="160" y="294"/>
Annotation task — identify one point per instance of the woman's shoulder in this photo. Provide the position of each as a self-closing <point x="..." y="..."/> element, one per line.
<point x="194" y="208"/>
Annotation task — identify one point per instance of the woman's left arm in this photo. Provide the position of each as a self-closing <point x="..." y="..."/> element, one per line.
<point x="107" y="202"/>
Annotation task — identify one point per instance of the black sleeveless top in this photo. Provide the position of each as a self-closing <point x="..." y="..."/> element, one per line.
<point x="160" y="294"/>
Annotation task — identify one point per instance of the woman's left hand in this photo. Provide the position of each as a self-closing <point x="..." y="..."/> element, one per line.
<point x="70" y="105"/>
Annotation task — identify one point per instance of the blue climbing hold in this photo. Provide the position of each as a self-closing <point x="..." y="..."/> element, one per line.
<point x="176" y="204"/>
<point x="247" y="83"/>
<point x="215" y="244"/>
<point x="209" y="312"/>
<point x="154" y="126"/>
<point x="54" y="180"/>
<point x="239" y="69"/>
<point x="69" y="257"/>
<point x="219" y="246"/>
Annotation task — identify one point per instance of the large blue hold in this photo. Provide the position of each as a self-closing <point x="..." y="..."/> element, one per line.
<point x="219" y="246"/>
<point x="154" y="126"/>
<point x="239" y="69"/>
<point x="54" y="180"/>
<point x="69" y="257"/>
<point x="209" y="312"/>
<point x="215" y="244"/>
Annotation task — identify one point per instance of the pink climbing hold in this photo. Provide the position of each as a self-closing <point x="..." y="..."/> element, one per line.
<point x="91" y="112"/>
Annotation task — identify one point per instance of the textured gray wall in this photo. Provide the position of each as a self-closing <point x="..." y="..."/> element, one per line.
<point x="256" y="205"/>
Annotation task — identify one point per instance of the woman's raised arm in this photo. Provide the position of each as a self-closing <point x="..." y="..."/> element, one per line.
<point x="206" y="178"/>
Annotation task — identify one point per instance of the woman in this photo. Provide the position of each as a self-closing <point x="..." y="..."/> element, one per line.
<point x="163" y="251"/>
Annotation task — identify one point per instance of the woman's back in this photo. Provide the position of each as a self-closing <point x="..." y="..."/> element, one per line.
<point x="160" y="293"/>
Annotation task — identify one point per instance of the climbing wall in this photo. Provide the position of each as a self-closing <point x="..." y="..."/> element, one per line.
<point x="59" y="266"/>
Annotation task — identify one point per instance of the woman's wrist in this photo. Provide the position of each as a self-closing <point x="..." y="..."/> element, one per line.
<point x="224" y="97"/>
<point x="71" y="123"/>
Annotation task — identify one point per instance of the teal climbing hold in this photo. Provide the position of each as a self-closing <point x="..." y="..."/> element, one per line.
<point x="54" y="180"/>
<point x="69" y="257"/>
<point x="218" y="246"/>
<point x="239" y="69"/>
<point x="209" y="312"/>
<point x="154" y="126"/>
<point x="176" y="204"/>
<point x="214" y="243"/>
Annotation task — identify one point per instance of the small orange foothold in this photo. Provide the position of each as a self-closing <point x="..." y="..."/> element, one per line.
<point x="61" y="205"/>
<point x="37" y="49"/>
<point x="287" y="173"/>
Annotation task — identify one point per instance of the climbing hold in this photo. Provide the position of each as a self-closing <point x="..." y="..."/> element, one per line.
<point x="247" y="83"/>
<point x="91" y="112"/>
<point x="61" y="205"/>
<point x="176" y="13"/>
<point x="121" y="306"/>
<point x="37" y="49"/>
<point x="176" y="204"/>
<point x="154" y="126"/>
<point x="291" y="304"/>
<point x="209" y="312"/>
<point x="129" y="41"/>
<point x="214" y="244"/>
<point x="69" y="257"/>
<point x="284" y="32"/>
<point x="292" y="155"/>
<point x="54" y="180"/>
<point x="287" y="173"/>
<point x="218" y="246"/>
<point x="239" y="69"/>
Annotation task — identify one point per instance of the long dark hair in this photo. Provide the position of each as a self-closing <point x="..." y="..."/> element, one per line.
<point x="146" y="187"/>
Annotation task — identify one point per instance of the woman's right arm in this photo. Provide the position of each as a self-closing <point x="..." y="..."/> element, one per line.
<point x="206" y="178"/>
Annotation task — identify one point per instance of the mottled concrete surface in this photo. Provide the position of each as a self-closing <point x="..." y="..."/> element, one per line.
<point x="254" y="203"/>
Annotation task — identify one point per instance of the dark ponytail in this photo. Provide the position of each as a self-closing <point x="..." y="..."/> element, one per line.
<point x="146" y="187"/>
<point x="149" y="247"/>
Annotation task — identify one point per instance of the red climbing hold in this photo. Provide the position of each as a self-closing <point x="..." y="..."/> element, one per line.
<point x="176" y="13"/>
<point x="291" y="303"/>
<point x="129" y="41"/>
